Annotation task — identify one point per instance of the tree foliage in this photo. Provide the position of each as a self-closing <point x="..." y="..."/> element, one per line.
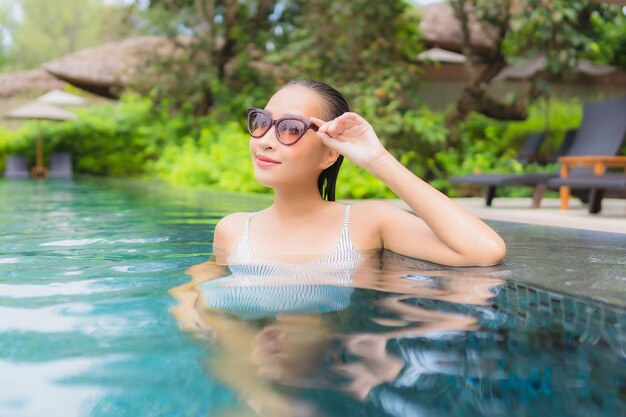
<point x="47" y="30"/>
<point x="231" y="54"/>
<point x="347" y="41"/>
<point x="216" y="46"/>
<point x="610" y="46"/>
<point x="561" y="30"/>
<point x="226" y="46"/>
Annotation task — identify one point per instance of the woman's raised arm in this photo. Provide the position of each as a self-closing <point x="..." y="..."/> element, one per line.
<point x="443" y="232"/>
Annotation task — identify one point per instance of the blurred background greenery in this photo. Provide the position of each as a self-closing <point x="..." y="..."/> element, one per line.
<point x="178" y="114"/>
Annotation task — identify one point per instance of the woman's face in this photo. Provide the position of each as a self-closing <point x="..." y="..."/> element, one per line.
<point x="276" y="165"/>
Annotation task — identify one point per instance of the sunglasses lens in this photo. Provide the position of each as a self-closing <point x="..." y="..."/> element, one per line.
<point x="289" y="131"/>
<point x="258" y="124"/>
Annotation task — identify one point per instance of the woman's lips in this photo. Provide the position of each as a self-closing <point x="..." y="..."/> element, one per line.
<point x="264" y="161"/>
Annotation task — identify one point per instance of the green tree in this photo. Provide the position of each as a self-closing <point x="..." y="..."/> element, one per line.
<point x="610" y="47"/>
<point x="368" y="51"/>
<point x="6" y="26"/>
<point x="347" y="42"/>
<point x="48" y="30"/>
<point x="216" y="49"/>
<point x="561" y="30"/>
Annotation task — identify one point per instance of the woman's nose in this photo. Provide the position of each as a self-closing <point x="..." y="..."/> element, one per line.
<point x="268" y="140"/>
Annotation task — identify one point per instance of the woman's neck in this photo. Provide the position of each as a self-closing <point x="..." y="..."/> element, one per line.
<point x="297" y="204"/>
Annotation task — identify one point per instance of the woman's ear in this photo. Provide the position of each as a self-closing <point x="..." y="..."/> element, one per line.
<point x="330" y="156"/>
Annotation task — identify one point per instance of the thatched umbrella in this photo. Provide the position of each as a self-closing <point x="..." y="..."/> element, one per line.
<point x="36" y="110"/>
<point x="441" y="55"/>
<point x="61" y="98"/>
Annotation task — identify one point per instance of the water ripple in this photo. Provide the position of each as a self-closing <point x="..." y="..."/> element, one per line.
<point x="64" y="318"/>
<point x="72" y="242"/>
<point x="9" y="260"/>
<point x="53" y="399"/>
<point x="54" y="289"/>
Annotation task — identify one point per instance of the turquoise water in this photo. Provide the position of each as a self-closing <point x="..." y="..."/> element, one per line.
<point x="86" y="330"/>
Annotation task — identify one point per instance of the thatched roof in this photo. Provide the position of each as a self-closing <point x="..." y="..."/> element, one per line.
<point x="534" y="66"/>
<point x="28" y="82"/>
<point x="106" y="69"/>
<point x="440" y="28"/>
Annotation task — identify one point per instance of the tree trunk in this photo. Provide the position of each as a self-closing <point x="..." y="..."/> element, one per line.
<point x="205" y="104"/>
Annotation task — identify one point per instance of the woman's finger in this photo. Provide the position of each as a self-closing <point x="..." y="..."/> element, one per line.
<point x="322" y="125"/>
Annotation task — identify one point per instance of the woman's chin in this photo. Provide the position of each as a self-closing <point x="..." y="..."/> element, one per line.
<point x="265" y="180"/>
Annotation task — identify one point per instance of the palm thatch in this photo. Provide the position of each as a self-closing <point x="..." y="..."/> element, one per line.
<point x="105" y="70"/>
<point x="62" y="98"/>
<point x="30" y="82"/>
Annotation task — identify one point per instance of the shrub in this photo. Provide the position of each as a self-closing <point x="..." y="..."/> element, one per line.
<point x="135" y="138"/>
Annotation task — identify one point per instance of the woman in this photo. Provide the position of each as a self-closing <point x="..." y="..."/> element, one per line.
<point x="297" y="145"/>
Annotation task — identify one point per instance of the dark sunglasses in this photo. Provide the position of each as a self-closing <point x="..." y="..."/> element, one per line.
<point x="289" y="129"/>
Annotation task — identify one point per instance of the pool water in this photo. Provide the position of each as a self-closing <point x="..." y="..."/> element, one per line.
<point x="87" y="325"/>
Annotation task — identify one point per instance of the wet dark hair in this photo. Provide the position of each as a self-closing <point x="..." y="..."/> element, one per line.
<point x="336" y="105"/>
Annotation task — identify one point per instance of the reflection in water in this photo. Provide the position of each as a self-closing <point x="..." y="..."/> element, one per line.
<point x="403" y="338"/>
<point x="314" y="346"/>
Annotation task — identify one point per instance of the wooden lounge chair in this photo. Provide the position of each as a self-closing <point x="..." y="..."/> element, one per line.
<point x="601" y="132"/>
<point x="597" y="183"/>
<point x="16" y="167"/>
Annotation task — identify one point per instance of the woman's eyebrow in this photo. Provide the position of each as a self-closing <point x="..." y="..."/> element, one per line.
<point x="286" y="114"/>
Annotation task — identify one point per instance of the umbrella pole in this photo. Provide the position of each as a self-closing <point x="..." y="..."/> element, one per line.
<point x="39" y="170"/>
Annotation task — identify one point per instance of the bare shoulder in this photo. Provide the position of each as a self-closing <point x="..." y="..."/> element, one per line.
<point x="366" y="222"/>
<point x="232" y="220"/>
<point x="229" y="229"/>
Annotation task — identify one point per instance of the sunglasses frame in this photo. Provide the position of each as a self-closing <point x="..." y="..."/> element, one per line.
<point x="307" y="125"/>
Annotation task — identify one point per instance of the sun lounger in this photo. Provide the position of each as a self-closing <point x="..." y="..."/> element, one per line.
<point x="16" y="167"/>
<point x="564" y="147"/>
<point x="60" y="165"/>
<point x="529" y="151"/>
<point x="601" y="133"/>
<point x="598" y="184"/>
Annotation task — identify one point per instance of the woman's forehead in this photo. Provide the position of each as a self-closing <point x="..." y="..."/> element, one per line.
<point x="295" y="100"/>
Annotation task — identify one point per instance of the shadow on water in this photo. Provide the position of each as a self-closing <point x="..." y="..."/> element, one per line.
<point x="405" y="338"/>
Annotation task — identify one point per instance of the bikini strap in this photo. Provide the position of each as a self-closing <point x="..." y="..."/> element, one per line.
<point x="346" y="219"/>
<point x="243" y="249"/>
<point x="245" y="230"/>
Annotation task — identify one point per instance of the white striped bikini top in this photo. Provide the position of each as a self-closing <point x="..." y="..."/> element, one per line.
<point x="244" y="263"/>
<point x="259" y="287"/>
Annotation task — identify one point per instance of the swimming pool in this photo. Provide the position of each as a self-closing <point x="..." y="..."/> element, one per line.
<point x="86" y="330"/>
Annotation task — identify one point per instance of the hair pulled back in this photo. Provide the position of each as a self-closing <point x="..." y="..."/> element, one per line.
<point x="336" y="105"/>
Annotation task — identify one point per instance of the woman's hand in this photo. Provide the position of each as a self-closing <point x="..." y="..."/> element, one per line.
<point x="353" y="137"/>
